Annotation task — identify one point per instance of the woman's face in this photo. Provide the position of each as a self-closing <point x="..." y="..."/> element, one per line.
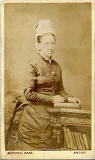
<point x="47" y="45"/>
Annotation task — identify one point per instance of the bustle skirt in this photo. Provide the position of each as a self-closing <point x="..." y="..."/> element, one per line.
<point x="35" y="131"/>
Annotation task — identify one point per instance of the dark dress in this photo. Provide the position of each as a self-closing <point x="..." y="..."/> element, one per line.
<point x="35" y="132"/>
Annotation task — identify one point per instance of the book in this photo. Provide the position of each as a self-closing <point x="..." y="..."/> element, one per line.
<point x="80" y="145"/>
<point x="66" y="138"/>
<point x="82" y="142"/>
<point x="67" y="105"/>
<point x="74" y="142"/>
<point x="85" y="140"/>
<point x="71" y="139"/>
<point x="77" y="140"/>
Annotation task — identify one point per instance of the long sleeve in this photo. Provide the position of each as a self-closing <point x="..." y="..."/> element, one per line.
<point x="30" y="92"/>
<point x="62" y="91"/>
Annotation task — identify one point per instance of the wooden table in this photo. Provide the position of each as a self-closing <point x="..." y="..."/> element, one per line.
<point x="71" y="127"/>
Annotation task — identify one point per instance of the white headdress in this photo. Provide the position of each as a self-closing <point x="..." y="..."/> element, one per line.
<point x="44" y="26"/>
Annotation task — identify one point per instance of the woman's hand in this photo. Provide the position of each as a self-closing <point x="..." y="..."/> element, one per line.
<point x="58" y="99"/>
<point x="73" y="100"/>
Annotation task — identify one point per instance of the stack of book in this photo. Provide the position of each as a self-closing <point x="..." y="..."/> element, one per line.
<point x="75" y="140"/>
<point x="67" y="105"/>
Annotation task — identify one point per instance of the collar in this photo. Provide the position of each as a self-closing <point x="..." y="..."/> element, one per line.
<point x="49" y="60"/>
<point x="46" y="59"/>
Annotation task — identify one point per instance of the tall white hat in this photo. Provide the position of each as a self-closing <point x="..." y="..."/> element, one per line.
<point x="44" y="26"/>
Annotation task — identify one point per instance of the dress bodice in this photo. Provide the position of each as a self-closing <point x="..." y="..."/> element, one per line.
<point x="45" y="79"/>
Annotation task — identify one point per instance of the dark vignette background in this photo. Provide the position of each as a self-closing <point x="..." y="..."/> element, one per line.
<point x="72" y="23"/>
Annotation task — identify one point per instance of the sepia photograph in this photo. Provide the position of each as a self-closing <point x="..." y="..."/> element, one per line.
<point x="47" y="81"/>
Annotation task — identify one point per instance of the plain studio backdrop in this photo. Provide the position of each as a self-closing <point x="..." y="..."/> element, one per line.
<point x="72" y="24"/>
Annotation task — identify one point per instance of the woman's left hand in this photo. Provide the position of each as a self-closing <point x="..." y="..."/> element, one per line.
<point x="73" y="100"/>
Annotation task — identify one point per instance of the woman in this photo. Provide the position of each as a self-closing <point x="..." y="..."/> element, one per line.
<point x="44" y="89"/>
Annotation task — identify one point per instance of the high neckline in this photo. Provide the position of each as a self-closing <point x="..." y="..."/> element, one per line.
<point x="45" y="58"/>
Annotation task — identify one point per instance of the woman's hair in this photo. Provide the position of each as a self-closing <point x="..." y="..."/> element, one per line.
<point x="40" y="36"/>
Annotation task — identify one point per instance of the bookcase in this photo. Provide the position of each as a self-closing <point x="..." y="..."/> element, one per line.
<point x="71" y="127"/>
